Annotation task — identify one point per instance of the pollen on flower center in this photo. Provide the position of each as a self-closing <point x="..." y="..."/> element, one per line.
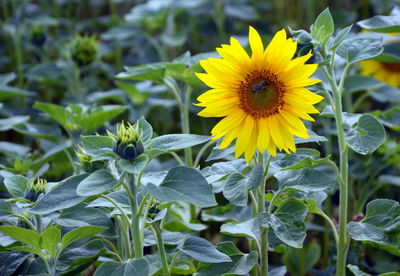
<point x="261" y="94"/>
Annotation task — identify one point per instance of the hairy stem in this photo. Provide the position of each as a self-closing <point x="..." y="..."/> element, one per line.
<point x="161" y="249"/>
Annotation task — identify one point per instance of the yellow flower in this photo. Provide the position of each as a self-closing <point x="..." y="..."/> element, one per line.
<point x="387" y="72"/>
<point x="262" y="97"/>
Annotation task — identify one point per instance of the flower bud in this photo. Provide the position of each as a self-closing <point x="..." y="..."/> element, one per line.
<point x="153" y="210"/>
<point x="84" y="50"/>
<point x="87" y="163"/>
<point x="36" y="186"/>
<point x="128" y="142"/>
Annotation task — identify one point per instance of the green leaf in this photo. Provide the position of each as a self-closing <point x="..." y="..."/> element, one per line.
<point x="300" y="261"/>
<point x="340" y="36"/>
<point x="7" y="92"/>
<point x="5" y="209"/>
<point x="49" y="239"/>
<point x="355" y="83"/>
<point x="17" y="185"/>
<point x="356" y="49"/>
<point x="172" y="142"/>
<point x="366" y="136"/>
<point x="61" y="197"/>
<point x="391" y="53"/>
<point x="250" y="229"/>
<point x="96" y="183"/>
<point x="135" y="267"/>
<point x="80" y="233"/>
<point x="203" y="251"/>
<point x="323" y="27"/>
<point x="184" y="184"/>
<point x="255" y="177"/>
<point x="25" y="236"/>
<point x="287" y="222"/>
<point x="235" y="189"/>
<point x="8" y="123"/>
<point x="96" y="117"/>
<point x="381" y="23"/>
<point x="145" y="128"/>
<point x="356" y="271"/>
<point x="381" y="225"/>
<point x="308" y="179"/>
<point x="42" y="131"/>
<point x="148" y="72"/>
<point x="10" y="261"/>
<point x="135" y="166"/>
<point x="56" y="112"/>
<point x="96" y="145"/>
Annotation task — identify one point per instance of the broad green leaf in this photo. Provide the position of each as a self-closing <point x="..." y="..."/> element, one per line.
<point x="366" y="136"/>
<point x="49" y="240"/>
<point x="17" y="185"/>
<point x="135" y="166"/>
<point x="356" y="271"/>
<point x="8" y="123"/>
<point x="5" y="209"/>
<point x="13" y="149"/>
<point x="148" y="72"/>
<point x="389" y="179"/>
<point x="172" y="142"/>
<point x="355" y="83"/>
<point x="203" y="251"/>
<point x="391" y="53"/>
<point x="323" y="27"/>
<point x="97" y="116"/>
<point x="357" y="49"/>
<point x="80" y="233"/>
<point x="250" y="229"/>
<point x="255" y="177"/>
<point x="96" y="144"/>
<point x="381" y="23"/>
<point x="61" y="197"/>
<point x="308" y="179"/>
<point x="96" y="183"/>
<point x="340" y="36"/>
<point x="313" y="138"/>
<point x="135" y="267"/>
<point x="287" y="222"/>
<point x="300" y="260"/>
<point x="184" y="184"/>
<point x="56" y="112"/>
<point x="381" y="225"/>
<point x="10" y="261"/>
<point x="217" y="153"/>
<point x="25" y="236"/>
<point x="42" y="131"/>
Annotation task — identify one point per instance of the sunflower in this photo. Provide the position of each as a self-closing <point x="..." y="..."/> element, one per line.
<point x="387" y="72"/>
<point x="262" y="97"/>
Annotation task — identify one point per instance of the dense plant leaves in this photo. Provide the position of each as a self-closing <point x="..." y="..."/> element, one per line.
<point x="172" y="142"/>
<point x="184" y="184"/>
<point x="287" y="222"/>
<point x="366" y="136"/>
<point x="356" y="270"/>
<point x="391" y="53"/>
<point x="308" y="179"/>
<point x="96" y="183"/>
<point x="381" y="23"/>
<point x="61" y="197"/>
<point x="248" y="229"/>
<point x="339" y="37"/>
<point x="357" y="49"/>
<point x="16" y="185"/>
<point x="355" y="83"/>
<point x="151" y="72"/>
<point x="8" y="92"/>
<point x="8" y="123"/>
<point x="323" y="27"/>
<point x="5" y="209"/>
<point x="56" y="112"/>
<point x="96" y="145"/>
<point x="380" y="225"/>
<point x="42" y="131"/>
<point x="145" y="128"/>
<point x="10" y="261"/>
<point x="80" y="233"/>
<point x="203" y="251"/>
<point x="241" y="264"/>
<point x="135" y="267"/>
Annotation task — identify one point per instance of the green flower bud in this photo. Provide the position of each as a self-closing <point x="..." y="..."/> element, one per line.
<point x="128" y="142"/>
<point x="153" y="210"/>
<point x="87" y="163"/>
<point x="84" y="50"/>
<point x="36" y="186"/>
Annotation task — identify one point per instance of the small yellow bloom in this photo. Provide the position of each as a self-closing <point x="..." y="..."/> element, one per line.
<point x="262" y="97"/>
<point x="387" y="72"/>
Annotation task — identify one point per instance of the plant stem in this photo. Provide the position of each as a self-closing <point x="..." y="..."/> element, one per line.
<point x="342" y="247"/>
<point x="18" y="58"/>
<point x="173" y="260"/>
<point x="161" y="249"/>
<point x="186" y="125"/>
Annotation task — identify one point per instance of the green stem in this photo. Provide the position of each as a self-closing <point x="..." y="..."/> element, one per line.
<point x="18" y="58"/>
<point x="173" y="261"/>
<point x="201" y="152"/>
<point x="331" y="224"/>
<point x="186" y="125"/>
<point x="161" y="249"/>
<point x="342" y="247"/>
<point x="38" y="222"/>
<point x="27" y="221"/>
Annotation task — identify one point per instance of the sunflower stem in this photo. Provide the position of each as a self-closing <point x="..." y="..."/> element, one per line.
<point x="342" y="244"/>
<point x="161" y="249"/>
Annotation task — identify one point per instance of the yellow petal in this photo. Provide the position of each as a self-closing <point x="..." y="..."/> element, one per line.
<point x="244" y="136"/>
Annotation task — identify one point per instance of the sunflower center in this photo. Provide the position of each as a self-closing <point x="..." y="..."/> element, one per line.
<point x="391" y="66"/>
<point x="261" y="94"/>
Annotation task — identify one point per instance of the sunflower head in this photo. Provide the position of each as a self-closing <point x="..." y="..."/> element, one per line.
<point x="387" y="72"/>
<point x="36" y="186"/>
<point x="128" y="141"/>
<point x="261" y="97"/>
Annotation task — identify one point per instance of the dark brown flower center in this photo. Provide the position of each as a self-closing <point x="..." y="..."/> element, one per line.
<point x="261" y="94"/>
<point x="391" y="66"/>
